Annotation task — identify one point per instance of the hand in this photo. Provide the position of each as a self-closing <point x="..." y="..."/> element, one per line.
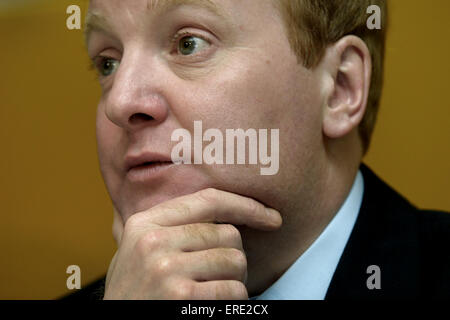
<point x="182" y="248"/>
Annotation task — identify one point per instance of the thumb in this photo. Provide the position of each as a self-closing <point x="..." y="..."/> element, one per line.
<point x="117" y="227"/>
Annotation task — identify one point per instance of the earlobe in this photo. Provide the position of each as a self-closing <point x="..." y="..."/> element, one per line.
<point x="349" y="66"/>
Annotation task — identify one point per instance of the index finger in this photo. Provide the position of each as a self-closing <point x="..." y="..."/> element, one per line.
<point x="212" y="205"/>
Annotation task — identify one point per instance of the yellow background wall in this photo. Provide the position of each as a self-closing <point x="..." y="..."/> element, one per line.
<point x="54" y="209"/>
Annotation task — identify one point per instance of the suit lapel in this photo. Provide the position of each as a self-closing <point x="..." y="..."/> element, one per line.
<point x="384" y="235"/>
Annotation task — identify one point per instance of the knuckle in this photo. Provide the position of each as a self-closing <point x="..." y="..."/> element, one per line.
<point x="240" y="290"/>
<point x="191" y="230"/>
<point x="231" y="231"/>
<point x="254" y="206"/>
<point x="183" y="209"/>
<point x="149" y="241"/>
<point x="203" y="232"/>
<point x="164" y="266"/>
<point x="182" y="291"/>
<point x="178" y="206"/>
<point x="208" y="195"/>
<point x="238" y="257"/>
<point x="232" y="290"/>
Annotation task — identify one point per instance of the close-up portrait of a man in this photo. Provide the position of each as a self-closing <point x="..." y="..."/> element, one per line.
<point x="230" y="137"/>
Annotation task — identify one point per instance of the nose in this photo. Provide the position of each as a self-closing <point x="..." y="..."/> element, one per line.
<point x="135" y="99"/>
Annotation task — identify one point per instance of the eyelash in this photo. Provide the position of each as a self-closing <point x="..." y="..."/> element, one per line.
<point x="97" y="61"/>
<point x="180" y="35"/>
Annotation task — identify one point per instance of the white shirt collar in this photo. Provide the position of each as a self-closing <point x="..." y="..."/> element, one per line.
<point x="310" y="275"/>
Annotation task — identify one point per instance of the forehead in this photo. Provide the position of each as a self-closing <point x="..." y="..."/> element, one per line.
<point x="155" y="6"/>
<point x="131" y="16"/>
<point x="221" y="8"/>
<point x="102" y="12"/>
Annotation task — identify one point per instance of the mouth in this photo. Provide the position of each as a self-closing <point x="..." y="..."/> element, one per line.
<point x="150" y="165"/>
<point x="147" y="166"/>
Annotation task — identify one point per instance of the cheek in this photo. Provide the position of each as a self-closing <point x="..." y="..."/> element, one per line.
<point x="108" y="136"/>
<point x="258" y="93"/>
<point x="102" y="133"/>
<point x="282" y="95"/>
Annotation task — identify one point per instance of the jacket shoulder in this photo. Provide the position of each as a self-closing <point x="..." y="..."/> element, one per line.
<point x="434" y="236"/>
<point x="409" y="245"/>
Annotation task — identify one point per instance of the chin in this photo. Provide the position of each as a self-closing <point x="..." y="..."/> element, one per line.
<point x="138" y="198"/>
<point x="134" y="198"/>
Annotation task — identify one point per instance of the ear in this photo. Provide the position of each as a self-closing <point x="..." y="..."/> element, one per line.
<point x="348" y="65"/>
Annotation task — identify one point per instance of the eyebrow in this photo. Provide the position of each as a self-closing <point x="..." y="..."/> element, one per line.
<point x="95" y="21"/>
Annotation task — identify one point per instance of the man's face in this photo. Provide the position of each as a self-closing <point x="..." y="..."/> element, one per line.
<point x="227" y="63"/>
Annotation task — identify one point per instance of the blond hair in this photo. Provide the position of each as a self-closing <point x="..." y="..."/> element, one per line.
<point x="312" y="25"/>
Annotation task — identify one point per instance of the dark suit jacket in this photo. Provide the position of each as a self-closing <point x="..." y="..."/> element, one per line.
<point x="410" y="246"/>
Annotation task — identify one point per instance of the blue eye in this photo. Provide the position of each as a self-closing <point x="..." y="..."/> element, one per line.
<point x="190" y="44"/>
<point x="107" y="66"/>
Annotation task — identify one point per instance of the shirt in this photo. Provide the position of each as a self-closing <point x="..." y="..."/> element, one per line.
<point x="310" y="275"/>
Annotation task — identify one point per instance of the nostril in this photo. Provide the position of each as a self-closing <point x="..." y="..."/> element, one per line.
<point x="139" y="118"/>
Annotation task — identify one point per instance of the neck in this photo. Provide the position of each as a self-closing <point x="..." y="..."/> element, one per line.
<point x="270" y="255"/>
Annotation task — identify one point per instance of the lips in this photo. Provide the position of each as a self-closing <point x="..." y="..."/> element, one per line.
<point x="146" y="167"/>
<point x="146" y="160"/>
